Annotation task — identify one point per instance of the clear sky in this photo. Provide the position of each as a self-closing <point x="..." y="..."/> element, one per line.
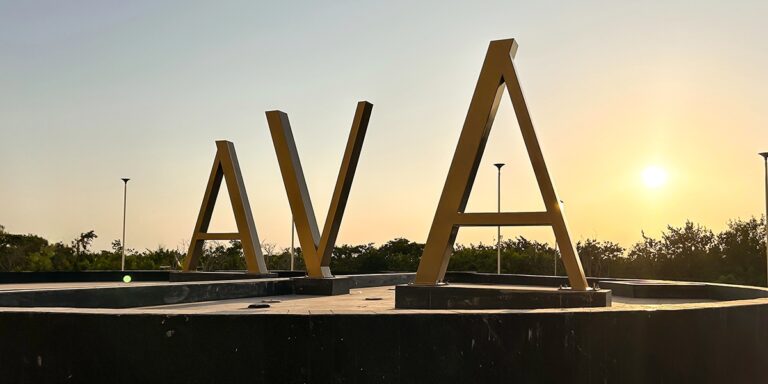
<point x="92" y="91"/>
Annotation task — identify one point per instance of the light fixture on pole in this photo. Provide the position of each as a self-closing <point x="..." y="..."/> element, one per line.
<point x="765" y="159"/>
<point x="498" y="209"/>
<point x="125" y="200"/>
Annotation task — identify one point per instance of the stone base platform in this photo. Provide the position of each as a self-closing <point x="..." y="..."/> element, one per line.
<point x="658" y="289"/>
<point x="326" y="287"/>
<point x="83" y="332"/>
<point x="215" y="276"/>
<point x="475" y="296"/>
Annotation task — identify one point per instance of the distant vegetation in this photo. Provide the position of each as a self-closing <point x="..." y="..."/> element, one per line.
<point x="691" y="252"/>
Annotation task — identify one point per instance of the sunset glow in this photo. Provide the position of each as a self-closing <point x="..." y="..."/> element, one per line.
<point x="634" y="105"/>
<point x="654" y="177"/>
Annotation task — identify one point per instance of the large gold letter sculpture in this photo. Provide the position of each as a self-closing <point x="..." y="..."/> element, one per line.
<point x="498" y="71"/>
<point x="226" y="166"/>
<point x="315" y="248"/>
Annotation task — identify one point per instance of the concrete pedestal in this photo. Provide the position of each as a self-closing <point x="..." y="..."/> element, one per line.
<point x="213" y="276"/>
<point x="326" y="287"/>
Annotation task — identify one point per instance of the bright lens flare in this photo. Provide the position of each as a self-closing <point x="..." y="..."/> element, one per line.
<point x="654" y="177"/>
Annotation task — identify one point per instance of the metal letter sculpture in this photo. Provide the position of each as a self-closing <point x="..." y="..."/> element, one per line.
<point x="225" y="165"/>
<point x="317" y="249"/>
<point x="498" y="71"/>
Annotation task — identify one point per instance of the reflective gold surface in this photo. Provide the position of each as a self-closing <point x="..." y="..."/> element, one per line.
<point x="226" y="166"/>
<point x="316" y="248"/>
<point x="498" y="72"/>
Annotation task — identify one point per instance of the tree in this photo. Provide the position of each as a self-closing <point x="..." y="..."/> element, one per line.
<point x="217" y="257"/>
<point x="401" y="254"/>
<point x="82" y="242"/>
<point x="268" y="248"/>
<point x="600" y="258"/>
<point x="362" y="258"/>
<point x="741" y="248"/>
<point x="15" y="250"/>
<point x="689" y="252"/>
<point x="40" y="261"/>
<point x="480" y="258"/>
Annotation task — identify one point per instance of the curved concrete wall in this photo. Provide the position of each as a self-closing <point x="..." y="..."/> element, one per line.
<point x="691" y="343"/>
<point x="698" y="345"/>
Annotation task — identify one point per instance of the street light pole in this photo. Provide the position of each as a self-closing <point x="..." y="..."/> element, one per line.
<point x="293" y="229"/>
<point x="498" y="209"/>
<point x="557" y="246"/>
<point x="125" y="202"/>
<point x="765" y="159"/>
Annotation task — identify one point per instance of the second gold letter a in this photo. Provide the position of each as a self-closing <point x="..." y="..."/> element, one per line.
<point x="498" y="70"/>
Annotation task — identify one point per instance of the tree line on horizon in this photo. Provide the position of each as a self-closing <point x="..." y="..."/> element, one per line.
<point x="690" y="252"/>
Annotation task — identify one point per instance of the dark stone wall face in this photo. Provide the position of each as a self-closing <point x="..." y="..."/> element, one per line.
<point x="726" y="344"/>
<point x="83" y="276"/>
<point x="495" y="297"/>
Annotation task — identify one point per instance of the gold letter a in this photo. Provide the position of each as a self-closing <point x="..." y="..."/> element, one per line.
<point x="226" y="166"/>
<point x="498" y="71"/>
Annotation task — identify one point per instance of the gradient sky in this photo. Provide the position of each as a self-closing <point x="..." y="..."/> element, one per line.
<point x="91" y="91"/>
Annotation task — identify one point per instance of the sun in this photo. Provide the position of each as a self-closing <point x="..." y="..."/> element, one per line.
<point x="654" y="176"/>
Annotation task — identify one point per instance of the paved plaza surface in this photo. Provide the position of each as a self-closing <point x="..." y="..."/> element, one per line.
<point x="373" y="300"/>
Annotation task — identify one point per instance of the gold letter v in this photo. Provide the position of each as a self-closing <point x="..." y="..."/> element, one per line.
<point x="315" y="248"/>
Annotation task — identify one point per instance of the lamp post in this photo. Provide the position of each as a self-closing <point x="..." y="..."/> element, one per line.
<point x="557" y="246"/>
<point x="293" y="229"/>
<point x="765" y="159"/>
<point x="498" y="209"/>
<point x="125" y="200"/>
